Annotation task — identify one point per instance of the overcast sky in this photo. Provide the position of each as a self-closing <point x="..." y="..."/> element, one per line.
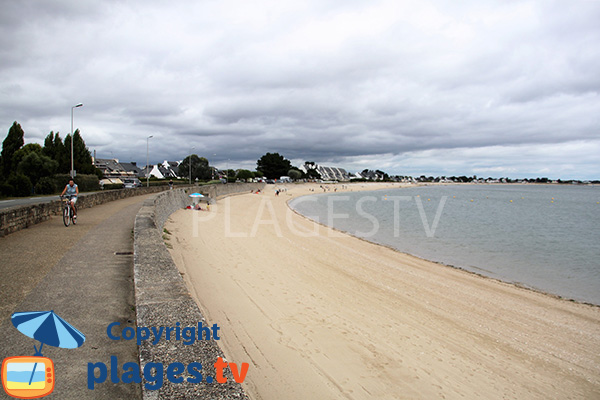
<point x="491" y="88"/>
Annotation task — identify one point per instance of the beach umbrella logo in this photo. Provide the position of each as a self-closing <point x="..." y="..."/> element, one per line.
<point x="33" y="377"/>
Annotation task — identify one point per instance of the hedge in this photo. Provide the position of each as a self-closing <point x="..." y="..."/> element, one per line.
<point x="86" y="183"/>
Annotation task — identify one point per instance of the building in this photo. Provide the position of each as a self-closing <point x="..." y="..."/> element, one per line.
<point x="112" y="168"/>
<point x="333" y="173"/>
<point x="166" y="170"/>
<point x="329" y="173"/>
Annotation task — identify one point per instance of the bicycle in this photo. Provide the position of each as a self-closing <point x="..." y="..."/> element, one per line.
<point x="68" y="212"/>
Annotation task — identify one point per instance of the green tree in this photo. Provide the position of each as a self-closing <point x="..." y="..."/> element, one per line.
<point x="24" y="151"/>
<point x="294" y="174"/>
<point x="55" y="149"/>
<point x="273" y="165"/>
<point x="82" y="158"/>
<point x="199" y="166"/>
<point x="311" y="170"/>
<point x="13" y="142"/>
<point x="21" y="184"/>
<point x="36" y="165"/>
<point x="31" y="161"/>
<point x="244" y="174"/>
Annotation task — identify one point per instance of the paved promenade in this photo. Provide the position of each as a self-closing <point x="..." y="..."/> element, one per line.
<point x="85" y="274"/>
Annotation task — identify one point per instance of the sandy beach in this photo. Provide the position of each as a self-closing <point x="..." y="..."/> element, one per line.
<point x="319" y="314"/>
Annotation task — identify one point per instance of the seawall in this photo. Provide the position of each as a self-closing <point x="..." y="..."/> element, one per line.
<point x="162" y="299"/>
<point x="20" y="217"/>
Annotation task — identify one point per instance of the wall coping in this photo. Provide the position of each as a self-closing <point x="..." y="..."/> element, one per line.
<point x="13" y="219"/>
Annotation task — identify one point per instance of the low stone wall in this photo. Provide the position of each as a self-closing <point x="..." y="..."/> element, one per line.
<point x="13" y="219"/>
<point x="162" y="299"/>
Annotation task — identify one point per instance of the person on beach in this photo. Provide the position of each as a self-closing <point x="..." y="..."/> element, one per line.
<point x="170" y="184"/>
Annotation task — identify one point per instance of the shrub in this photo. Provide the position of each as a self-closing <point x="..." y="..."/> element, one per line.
<point x="21" y="185"/>
<point x="45" y="185"/>
<point x="6" y="190"/>
<point x="86" y="183"/>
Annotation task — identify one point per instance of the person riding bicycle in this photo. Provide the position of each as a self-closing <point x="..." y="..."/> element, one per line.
<point x="72" y="190"/>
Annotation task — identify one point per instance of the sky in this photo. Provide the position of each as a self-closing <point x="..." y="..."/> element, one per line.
<point x="477" y="87"/>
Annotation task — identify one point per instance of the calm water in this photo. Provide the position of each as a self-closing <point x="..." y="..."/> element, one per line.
<point x="547" y="238"/>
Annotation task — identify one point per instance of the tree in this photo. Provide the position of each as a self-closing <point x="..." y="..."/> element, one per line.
<point x="244" y="174"/>
<point x="49" y="149"/>
<point x="35" y="165"/>
<point x="55" y="149"/>
<point x="311" y="170"/>
<point x="31" y="161"/>
<point x="273" y="165"/>
<point x="23" y="152"/>
<point x="21" y="185"/>
<point x="200" y="168"/>
<point x="82" y="158"/>
<point x="13" y="142"/>
<point x="294" y="174"/>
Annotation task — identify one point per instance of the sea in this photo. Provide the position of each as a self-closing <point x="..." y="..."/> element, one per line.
<point x="544" y="237"/>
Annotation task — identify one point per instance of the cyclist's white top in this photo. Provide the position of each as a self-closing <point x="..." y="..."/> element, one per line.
<point x="71" y="190"/>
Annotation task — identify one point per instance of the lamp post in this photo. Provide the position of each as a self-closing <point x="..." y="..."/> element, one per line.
<point x="190" y="163"/>
<point x="212" y="170"/>
<point x="72" y="168"/>
<point x="147" y="161"/>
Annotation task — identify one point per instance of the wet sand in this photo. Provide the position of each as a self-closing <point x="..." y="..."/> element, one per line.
<point x="319" y="314"/>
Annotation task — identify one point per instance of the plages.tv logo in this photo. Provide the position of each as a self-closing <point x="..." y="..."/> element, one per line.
<point x="33" y="377"/>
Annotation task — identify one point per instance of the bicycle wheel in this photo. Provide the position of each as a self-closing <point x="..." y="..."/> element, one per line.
<point x="67" y="216"/>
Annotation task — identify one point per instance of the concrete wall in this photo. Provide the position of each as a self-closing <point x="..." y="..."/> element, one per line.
<point x="16" y="218"/>
<point x="13" y="219"/>
<point x="162" y="299"/>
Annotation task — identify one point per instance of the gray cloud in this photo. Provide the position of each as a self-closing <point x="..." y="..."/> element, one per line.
<point x="402" y="86"/>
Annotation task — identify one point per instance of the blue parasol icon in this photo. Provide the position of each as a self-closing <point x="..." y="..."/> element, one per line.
<point x="48" y="328"/>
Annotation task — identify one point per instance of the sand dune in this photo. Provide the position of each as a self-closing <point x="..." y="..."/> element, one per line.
<point x="322" y="315"/>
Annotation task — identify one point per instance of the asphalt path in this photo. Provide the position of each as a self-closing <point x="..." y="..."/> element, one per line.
<point x="85" y="274"/>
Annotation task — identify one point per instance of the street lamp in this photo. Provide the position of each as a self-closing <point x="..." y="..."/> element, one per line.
<point x="147" y="161"/>
<point x="190" y="163"/>
<point x="73" y="169"/>
<point x="212" y="170"/>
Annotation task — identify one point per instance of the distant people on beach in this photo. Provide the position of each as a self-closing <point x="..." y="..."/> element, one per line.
<point x="197" y="207"/>
<point x="170" y="184"/>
